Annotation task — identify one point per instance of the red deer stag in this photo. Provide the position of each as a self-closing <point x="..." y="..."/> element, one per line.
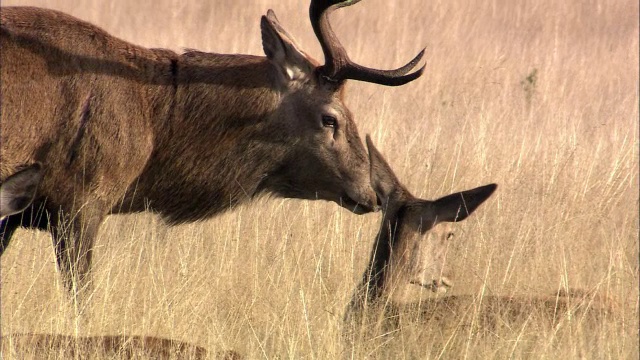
<point x="18" y="190"/>
<point x="411" y="244"/>
<point x="121" y="129"/>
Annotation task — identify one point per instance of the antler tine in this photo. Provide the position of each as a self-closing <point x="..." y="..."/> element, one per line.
<point x="338" y="67"/>
<point x="395" y="77"/>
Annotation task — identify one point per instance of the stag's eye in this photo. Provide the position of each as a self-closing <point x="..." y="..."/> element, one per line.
<point x="329" y="121"/>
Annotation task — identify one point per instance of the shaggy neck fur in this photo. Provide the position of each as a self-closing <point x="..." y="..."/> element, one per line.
<point x="219" y="141"/>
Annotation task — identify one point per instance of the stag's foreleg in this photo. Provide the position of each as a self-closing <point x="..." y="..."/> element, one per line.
<point x="7" y="228"/>
<point x="74" y="235"/>
<point x="34" y="217"/>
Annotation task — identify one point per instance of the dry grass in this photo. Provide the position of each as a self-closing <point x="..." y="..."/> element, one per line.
<point x="540" y="97"/>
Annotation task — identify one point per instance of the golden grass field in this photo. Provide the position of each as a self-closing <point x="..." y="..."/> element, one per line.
<point x="540" y="97"/>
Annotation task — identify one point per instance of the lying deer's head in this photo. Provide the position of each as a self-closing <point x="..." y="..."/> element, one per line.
<point x="412" y="241"/>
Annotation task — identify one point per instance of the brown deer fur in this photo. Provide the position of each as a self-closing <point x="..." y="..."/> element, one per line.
<point x="127" y="347"/>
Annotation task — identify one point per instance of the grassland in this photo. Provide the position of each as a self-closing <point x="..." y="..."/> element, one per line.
<point x="540" y="97"/>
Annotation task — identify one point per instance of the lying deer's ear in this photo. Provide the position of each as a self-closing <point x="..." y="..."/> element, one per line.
<point x="458" y="206"/>
<point x="280" y="48"/>
<point x="383" y="180"/>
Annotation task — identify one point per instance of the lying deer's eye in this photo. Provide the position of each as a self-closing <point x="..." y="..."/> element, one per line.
<point x="450" y="236"/>
<point x="329" y="121"/>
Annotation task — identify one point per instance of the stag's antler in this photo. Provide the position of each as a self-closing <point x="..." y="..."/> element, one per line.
<point x="338" y="67"/>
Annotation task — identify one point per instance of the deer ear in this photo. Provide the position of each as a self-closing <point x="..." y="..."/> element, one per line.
<point x="458" y="206"/>
<point x="383" y="180"/>
<point x="18" y="190"/>
<point x="292" y="63"/>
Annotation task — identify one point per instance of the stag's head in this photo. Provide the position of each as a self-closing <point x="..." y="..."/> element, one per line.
<point x="328" y="160"/>
<point x="18" y="190"/>
<point x="415" y="232"/>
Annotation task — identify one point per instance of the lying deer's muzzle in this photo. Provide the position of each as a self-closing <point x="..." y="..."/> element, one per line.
<point x="437" y="286"/>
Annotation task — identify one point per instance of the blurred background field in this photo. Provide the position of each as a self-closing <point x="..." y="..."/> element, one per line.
<point x="540" y="97"/>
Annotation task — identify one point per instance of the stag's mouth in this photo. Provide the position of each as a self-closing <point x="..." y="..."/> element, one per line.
<point x="357" y="207"/>
<point x="436" y="286"/>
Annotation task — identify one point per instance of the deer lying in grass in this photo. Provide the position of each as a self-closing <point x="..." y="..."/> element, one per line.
<point x="18" y="190"/>
<point x="412" y="241"/>
<point x="410" y="249"/>
<point x="492" y="314"/>
<point x="125" y="347"/>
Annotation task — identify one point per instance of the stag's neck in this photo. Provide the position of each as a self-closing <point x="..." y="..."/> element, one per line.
<point x="216" y="144"/>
